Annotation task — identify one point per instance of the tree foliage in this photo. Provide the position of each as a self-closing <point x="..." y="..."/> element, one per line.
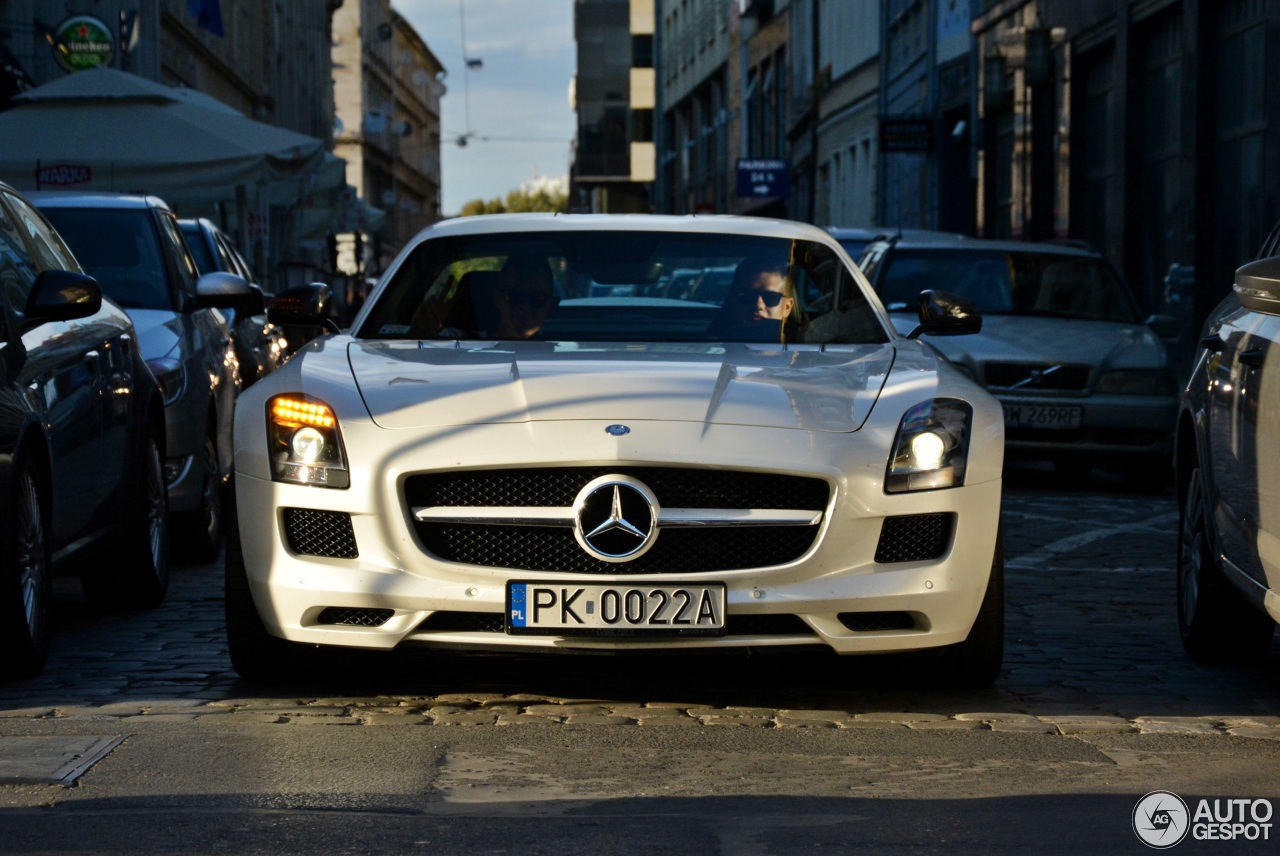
<point x="520" y="201"/>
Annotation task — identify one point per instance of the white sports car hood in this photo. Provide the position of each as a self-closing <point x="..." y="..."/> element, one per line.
<point x="412" y="385"/>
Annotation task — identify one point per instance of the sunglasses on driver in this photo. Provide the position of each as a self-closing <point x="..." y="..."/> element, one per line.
<point x="770" y="298"/>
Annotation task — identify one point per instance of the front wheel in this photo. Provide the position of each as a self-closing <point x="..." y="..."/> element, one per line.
<point x="135" y="575"/>
<point x="1215" y="621"/>
<point x="976" y="662"/>
<point x="202" y="528"/>
<point x="25" y="580"/>
<point x="256" y="655"/>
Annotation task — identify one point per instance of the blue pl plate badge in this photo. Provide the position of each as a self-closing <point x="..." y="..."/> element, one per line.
<point x="519" y="613"/>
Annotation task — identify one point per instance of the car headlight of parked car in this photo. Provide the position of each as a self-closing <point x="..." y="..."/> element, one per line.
<point x="171" y="375"/>
<point x="932" y="447"/>
<point x="1136" y="382"/>
<point x="305" y="443"/>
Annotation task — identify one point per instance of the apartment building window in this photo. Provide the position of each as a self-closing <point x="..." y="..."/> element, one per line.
<point x="1245" y="213"/>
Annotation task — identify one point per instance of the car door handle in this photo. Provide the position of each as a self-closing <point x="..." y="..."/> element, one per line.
<point x="1213" y="343"/>
<point x="1252" y="357"/>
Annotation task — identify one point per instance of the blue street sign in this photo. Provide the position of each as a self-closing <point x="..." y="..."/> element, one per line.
<point x="761" y="177"/>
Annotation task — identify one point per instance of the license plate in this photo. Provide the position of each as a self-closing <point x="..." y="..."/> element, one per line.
<point x="575" y="609"/>
<point x="1038" y="416"/>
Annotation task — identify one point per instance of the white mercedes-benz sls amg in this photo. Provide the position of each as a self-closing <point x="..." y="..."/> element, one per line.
<point x="618" y="433"/>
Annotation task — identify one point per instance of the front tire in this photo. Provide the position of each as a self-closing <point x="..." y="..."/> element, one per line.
<point x="26" y="585"/>
<point x="1217" y="624"/>
<point x="135" y="574"/>
<point x="256" y="655"/>
<point x="976" y="662"/>
<point x="203" y="528"/>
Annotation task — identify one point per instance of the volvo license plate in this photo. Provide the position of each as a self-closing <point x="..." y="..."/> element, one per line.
<point x="1039" y="416"/>
<point x="644" y="609"/>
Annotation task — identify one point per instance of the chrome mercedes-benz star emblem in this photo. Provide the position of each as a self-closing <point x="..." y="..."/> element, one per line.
<point x="615" y="518"/>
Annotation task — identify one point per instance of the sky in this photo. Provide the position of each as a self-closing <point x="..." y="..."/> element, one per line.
<point x="517" y="104"/>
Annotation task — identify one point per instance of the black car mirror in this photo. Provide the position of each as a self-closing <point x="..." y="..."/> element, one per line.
<point x="1258" y="285"/>
<point x="944" y="314"/>
<point x="303" y="305"/>
<point x="225" y="291"/>
<point x="61" y="295"/>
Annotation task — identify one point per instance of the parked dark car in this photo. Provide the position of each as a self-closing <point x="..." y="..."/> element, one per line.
<point x="82" y="439"/>
<point x="1084" y="377"/>
<point x="132" y="245"/>
<point x="261" y="347"/>
<point x="1228" y="473"/>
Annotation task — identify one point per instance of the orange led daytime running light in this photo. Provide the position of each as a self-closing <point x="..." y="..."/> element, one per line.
<point x="302" y="412"/>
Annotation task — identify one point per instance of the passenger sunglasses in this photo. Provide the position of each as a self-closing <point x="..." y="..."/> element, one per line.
<point x="770" y="298"/>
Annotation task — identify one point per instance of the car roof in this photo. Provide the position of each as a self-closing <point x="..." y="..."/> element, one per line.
<point x="941" y="240"/>
<point x="716" y="224"/>
<point x="92" y="199"/>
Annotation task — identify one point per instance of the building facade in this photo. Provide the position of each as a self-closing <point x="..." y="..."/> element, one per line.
<point x="847" y="131"/>
<point x="387" y="87"/>
<point x="615" y="96"/>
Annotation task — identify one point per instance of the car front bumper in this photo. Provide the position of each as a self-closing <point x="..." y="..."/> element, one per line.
<point x="393" y="575"/>
<point x="1111" y="426"/>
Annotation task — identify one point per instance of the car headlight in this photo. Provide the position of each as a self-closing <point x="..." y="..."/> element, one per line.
<point x="1136" y="382"/>
<point x="932" y="447"/>
<point x="305" y="443"/>
<point x="171" y="375"/>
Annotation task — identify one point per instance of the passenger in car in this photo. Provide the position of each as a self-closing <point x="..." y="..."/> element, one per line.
<point x="760" y="305"/>
<point x="524" y="297"/>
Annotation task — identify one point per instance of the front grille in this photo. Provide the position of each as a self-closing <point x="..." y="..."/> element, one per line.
<point x="320" y="533"/>
<point x="674" y="551"/>
<point x="914" y="537"/>
<point x="355" y="617"/>
<point x="1033" y="377"/>
<point x="463" y="622"/>
<point x="736" y="625"/>
<point x="675" y="487"/>
<point x="869" y="622"/>
<point x="677" y="551"/>
<point x="767" y="625"/>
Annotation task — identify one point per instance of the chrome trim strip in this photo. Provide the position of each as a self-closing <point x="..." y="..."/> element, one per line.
<point x="668" y="518"/>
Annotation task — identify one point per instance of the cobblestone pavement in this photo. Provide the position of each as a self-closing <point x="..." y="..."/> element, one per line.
<point x="1092" y="646"/>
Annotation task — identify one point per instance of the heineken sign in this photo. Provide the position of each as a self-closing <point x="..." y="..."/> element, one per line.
<point x="82" y="42"/>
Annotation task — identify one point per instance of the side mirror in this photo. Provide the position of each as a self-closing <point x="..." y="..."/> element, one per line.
<point x="303" y="305"/>
<point x="944" y="314"/>
<point x="224" y="290"/>
<point x="1164" y="326"/>
<point x="61" y="295"/>
<point x="1258" y="285"/>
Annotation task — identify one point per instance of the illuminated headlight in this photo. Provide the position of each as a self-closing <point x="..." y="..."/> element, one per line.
<point x="305" y="444"/>
<point x="932" y="447"/>
<point x="1136" y="382"/>
<point x="171" y="375"/>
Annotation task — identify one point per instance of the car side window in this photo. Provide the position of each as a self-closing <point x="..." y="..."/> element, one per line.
<point x="49" y="251"/>
<point x="17" y="267"/>
<point x="834" y="307"/>
<point x="186" y="269"/>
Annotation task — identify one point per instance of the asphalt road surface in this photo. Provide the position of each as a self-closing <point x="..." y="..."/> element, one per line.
<point x="139" y="738"/>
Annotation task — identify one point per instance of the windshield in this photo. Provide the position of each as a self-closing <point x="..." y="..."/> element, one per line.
<point x="1009" y="283"/>
<point x="120" y="249"/>
<point x="621" y="286"/>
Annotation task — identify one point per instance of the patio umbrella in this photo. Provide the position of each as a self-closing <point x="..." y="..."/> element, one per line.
<point x="105" y="129"/>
